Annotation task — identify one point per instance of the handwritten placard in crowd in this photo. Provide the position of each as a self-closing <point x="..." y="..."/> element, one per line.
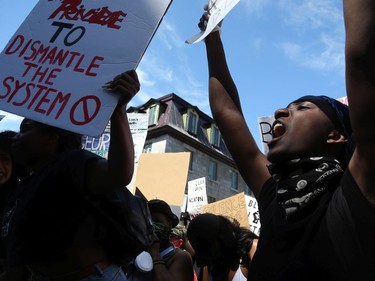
<point x="53" y="68"/>
<point x="197" y="195"/>
<point x="233" y="207"/>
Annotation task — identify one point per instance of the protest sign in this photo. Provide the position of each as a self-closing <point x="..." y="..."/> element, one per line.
<point x="233" y="207"/>
<point x="138" y="124"/>
<point x="163" y="176"/>
<point x="265" y="130"/>
<point x="52" y="70"/>
<point x="197" y="195"/>
<point x="253" y="214"/>
<point x="218" y="9"/>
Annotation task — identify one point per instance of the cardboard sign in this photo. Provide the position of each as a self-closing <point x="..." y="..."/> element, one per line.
<point x="197" y="195"/>
<point x="218" y="9"/>
<point x="52" y="70"/>
<point x="233" y="207"/>
<point x="163" y="176"/>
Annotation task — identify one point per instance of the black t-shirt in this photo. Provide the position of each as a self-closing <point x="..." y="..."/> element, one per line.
<point x="5" y="190"/>
<point x="307" y="249"/>
<point x="44" y="215"/>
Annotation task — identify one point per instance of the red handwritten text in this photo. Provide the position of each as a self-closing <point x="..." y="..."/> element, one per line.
<point x="35" y="51"/>
<point x="72" y="10"/>
<point x="49" y="101"/>
<point x="36" y="97"/>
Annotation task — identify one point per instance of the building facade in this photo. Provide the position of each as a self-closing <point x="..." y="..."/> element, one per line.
<point x="174" y="125"/>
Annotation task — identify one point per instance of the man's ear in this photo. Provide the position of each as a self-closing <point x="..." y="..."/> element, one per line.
<point x="336" y="137"/>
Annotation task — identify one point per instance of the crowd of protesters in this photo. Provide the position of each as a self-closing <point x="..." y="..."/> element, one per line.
<point x="315" y="188"/>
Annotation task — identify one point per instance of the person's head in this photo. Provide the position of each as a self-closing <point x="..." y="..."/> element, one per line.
<point x="163" y="219"/>
<point x="6" y="165"/>
<point x="215" y="240"/>
<point x="312" y="126"/>
<point x="178" y="236"/>
<point x="37" y="141"/>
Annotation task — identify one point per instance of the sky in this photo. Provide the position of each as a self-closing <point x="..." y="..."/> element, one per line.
<point x="277" y="51"/>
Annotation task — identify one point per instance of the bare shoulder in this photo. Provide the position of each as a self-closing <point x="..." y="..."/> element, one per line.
<point x="181" y="257"/>
<point x="181" y="265"/>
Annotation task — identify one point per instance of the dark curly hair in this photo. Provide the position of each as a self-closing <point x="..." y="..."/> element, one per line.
<point x="235" y="241"/>
<point x="6" y="140"/>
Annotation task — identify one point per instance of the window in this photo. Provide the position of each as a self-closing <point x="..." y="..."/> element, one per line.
<point x="212" y="170"/>
<point x="153" y="114"/>
<point x="191" y="121"/>
<point x="214" y="135"/>
<point x="233" y="180"/>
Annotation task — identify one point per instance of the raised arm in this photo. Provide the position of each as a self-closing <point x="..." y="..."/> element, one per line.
<point x="118" y="170"/>
<point x="227" y="113"/>
<point x="360" y="80"/>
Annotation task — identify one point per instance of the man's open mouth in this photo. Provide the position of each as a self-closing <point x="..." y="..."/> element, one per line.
<point x="278" y="129"/>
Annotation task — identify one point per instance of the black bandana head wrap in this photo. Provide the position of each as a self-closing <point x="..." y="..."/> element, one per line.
<point x="338" y="113"/>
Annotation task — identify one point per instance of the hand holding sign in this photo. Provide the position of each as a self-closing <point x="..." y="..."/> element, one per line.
<point x="126" y="84"/>
<point x="203" y="22"/>
<point x="217" y="10"/>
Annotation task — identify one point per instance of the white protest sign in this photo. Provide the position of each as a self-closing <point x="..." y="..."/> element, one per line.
<point x="197" y="195"/>
<point x="265" y="130"/>
<point x="218" y="9"/>
<point x="98" y="145"/>
<point x="183" y="207"/>
<point x="253" y="214"/>
<point x="138" y="124"/>
<point x="53" y="68"/>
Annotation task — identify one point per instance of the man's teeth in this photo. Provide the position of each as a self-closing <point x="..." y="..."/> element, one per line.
<point x="278" y="130"/>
